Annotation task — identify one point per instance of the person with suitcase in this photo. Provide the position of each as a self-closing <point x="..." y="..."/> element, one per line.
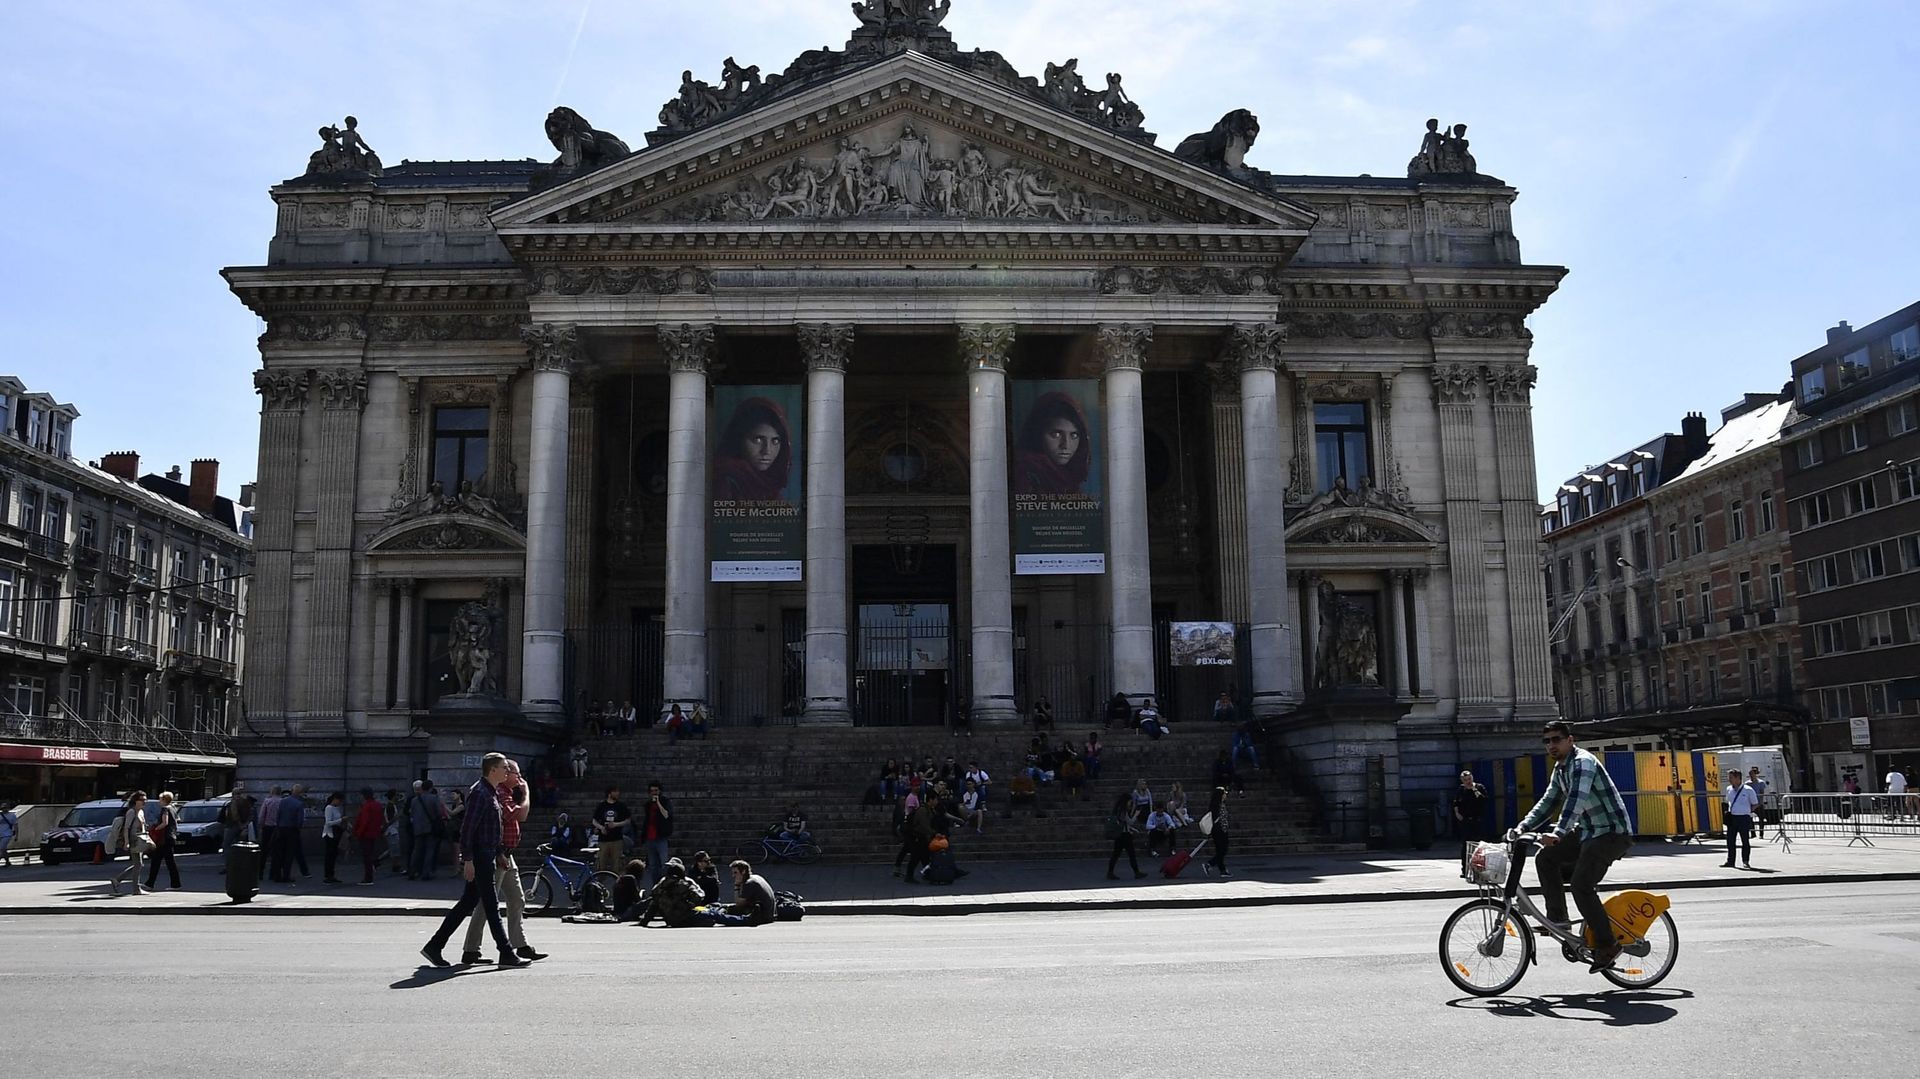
<point x="1217" y="810"/>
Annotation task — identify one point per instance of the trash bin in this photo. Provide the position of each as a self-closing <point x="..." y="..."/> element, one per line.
<point x="1420" y="826"/>
<point x="243" y="871"/>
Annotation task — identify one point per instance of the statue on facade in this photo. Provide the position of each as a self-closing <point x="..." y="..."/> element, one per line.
<point x="1443" y="152"/>
<point x="582" y="146"/>
<point x="1225" y="147"/>
<point x="1063" y="85"/>
<point x="737" y="81"/>
<point x="342" y="150"/>
<point x="470" y="650"/>
<point x="1347" y="645"/>
<point x="1117" y="109"/>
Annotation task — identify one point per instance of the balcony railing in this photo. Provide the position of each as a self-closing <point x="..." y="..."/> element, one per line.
<point x="85" y="554"/>
<point x="46" y="548"/>
<point x="130" y="649"/>
<point x="109" y="728"/>
<point x="121" y="567"/>
<point x="88" y="640"/>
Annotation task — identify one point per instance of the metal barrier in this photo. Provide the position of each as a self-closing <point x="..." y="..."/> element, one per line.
<point x="1856" y="816"/>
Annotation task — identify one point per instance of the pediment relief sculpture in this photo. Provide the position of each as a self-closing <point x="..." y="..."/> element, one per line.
<point x="468" y="501"/>
<point x="445" y="532"/>
<point x="911" y="172"/>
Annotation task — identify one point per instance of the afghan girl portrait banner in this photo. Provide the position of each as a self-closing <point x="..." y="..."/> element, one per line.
<point x="1058" y="485"/>
<point x="757" y="531"/>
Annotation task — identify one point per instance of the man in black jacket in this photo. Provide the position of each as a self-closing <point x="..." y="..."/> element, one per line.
<point x="1469" y="817"/>
<point x="654" y="823"/>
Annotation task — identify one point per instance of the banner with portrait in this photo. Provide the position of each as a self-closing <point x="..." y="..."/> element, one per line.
<point x="756" y="528"/>
<point x="1057" y="481"/>
<point x="1201" y="644"/>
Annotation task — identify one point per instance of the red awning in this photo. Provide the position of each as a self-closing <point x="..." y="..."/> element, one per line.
<point x="58" y="754"/>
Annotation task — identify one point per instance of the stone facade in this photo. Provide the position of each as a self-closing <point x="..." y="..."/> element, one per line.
<point x="902" y="237"/>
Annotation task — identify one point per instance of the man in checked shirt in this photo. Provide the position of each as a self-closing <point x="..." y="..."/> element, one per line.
<point x="1590" y="832"/>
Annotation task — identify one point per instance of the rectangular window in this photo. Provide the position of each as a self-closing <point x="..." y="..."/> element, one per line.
<point x="1824" y="573"/>
<point x="58" y="441"/>
<point x="56" y="523"/>
<point x="1776" y="585"/>
<point x="1904" y="345"/>
<point x="145" y="552"/>
<point x="1753" y="672"/>
<point x="1813" y="385"/>
<point x="1596" y="498"/>
<point x="1613" y="558"/>
<point x="1876" y="629"/>
<point x="1909" y="552"/>
<point x="1566" y="576"/>
<point x="1901" y="419"/>
<point x="1673" y="543"/>
<point x="1679" y="605"/>
<point x="1616" y="492"/>
<point x="1816" y="510"/>
<point x="142" y="628"/>
<point x="1767" y="522"/>
<point x="209" y="569"/>
<point x="1737" y="521"/>
<point x="123" y="542"/>
<point x="179" y="573"/>
<point x="1744" y="585"/>
<point x="1853" y="437"/>
<point x="1854" y="366"/>
<point x="7" y="606"/>
<point x="1806" y="452"/>
<point x="1869" y="563"/>
<point x="86" y="532"/>
<point x="1699" y="533"/>
<point x="1686" y="681"/>
<point x="1640" y="561"/>
<point x="30" y="509"/>
<point x="1862" y="496"/>
<point x="1342" y="449"/>
<point x="1706" y="602"/>
<point x="1906" y="482"/>
<point x="1828" y="639"/>
<point x="460" y="448"/>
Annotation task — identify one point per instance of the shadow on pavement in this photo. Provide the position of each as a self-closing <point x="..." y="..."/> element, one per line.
<point x="1614" y="1008"/>
<point x="425" y="975"/>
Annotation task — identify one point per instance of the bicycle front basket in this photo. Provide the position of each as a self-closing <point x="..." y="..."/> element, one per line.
<point x="1488" y="864"/>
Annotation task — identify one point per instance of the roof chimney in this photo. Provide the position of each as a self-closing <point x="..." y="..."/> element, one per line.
<point x="246" y="496"/>
<point x="122" y="463"/>
<point x="174" y="473"/>
<point x="1839" y="333"/>
<point x="1693" y="430"/>
<point x="204" y="485"/>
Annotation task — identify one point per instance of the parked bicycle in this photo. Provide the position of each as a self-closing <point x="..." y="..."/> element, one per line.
<point x="1487" y="945"/>
<point x="773" y="848"/>
<point x="556" y="875"/>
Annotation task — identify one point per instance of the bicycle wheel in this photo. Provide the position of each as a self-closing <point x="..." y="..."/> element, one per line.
<point x="753" y="851"/>
<point x="803" y="853"/>
<point x="1647" y="961"/>
<point x="538" y="889"/>
<point x="1484" y="950"/>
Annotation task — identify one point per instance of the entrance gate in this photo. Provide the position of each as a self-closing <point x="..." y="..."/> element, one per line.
<point x="904" y="665"/>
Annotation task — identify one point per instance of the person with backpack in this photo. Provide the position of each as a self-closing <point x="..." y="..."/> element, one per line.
<point x="165" y="833"/>
<point x="235" y="816"/>
<point x="428" y="821"/>
<point x="129" y="833"/>
<point x="1123" y="823"/>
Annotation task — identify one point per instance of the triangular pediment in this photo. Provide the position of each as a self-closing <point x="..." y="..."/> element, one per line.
<point x="909" y="142"/>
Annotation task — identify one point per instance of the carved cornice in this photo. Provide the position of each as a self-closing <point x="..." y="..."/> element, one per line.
<point x="1359" y="325"/>
<point x="1455" y="383"/>
<point x="1123" y="345"/>
<point x="1255" y="346"/>
<point x="986" y="346"/>
<point x="1479" y="325"/>
<point x="282" y="391"/>
<point x="438" y="533"/>
<point x="688" y="346"/>
<point x="1196" y="281"/>
<point x="618" y="281"/>
<point x="324" y="326"/>
<point x="825" y="345"/>
<point x="553" y="346"/>
<point x="455" y="326"/>
<point x="1511" y="384"/>
<point x="343" y="388"/>
<point x="1340" y="389"/>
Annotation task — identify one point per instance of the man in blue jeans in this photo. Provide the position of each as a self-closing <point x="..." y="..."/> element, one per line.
<point x="480" y="854"/>
<point x="1243" y="743"/>
<point x="1590" y="832"/>
<point x="654" y="824"/>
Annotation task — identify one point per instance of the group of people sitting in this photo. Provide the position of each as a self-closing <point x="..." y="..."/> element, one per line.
<point x="688" y="897"/>
<point x="604" y="719"/>
<point x="1147" y="718"/>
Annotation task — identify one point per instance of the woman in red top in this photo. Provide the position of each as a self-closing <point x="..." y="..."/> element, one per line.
<point x="368" y="827"/>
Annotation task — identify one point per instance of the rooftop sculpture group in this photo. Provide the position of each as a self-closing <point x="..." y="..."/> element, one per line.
<point x="1109" y="108"/>
<point x="343" y="151"/>
<point x="1443" y="152"/>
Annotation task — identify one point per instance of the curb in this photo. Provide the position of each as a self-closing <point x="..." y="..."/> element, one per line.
<point x="845" y="908"/>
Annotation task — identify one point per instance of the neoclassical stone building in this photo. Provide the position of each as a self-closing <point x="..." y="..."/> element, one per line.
<point x="892" y="388"/>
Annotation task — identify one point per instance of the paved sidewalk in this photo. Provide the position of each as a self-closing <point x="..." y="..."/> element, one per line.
<point x="1375" y="876"/>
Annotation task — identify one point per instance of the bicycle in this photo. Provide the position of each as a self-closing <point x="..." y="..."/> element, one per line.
<point x="1487" y="944"/>
<point x="773" y="848"/>
<point x="538" y="883"/>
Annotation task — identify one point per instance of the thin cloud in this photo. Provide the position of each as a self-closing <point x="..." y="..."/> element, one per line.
<point x="1734" y="156"/>
<point x="573" y="45"/>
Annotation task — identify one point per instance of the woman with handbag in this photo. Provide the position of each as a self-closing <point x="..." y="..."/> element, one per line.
<point x="130" y="832"/>
<point x="164" y="832"/>
<point x="1123" y="823"/>
<point x="1217" y="809"/>
<point x="333" y="827"/>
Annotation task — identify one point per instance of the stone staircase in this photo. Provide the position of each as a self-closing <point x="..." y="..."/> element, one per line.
<point x="727" y="788"/>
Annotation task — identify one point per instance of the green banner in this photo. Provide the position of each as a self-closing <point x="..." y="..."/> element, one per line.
<point x="757" y="531"/>
<point x="1057" y="481"/>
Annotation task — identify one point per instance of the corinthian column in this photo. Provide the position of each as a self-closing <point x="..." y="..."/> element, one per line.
<point x="1122" y="353"/>
<point x="825" y="346"/>
<point x="555" y="350"/>
<point x="1256" y="349"/>
<point x="1510" y="386"/>
<point x="283" y="403"/>
<point x="1455" y="388"/>
<point x="689" y="351"/>
<point x="984" y="348"/>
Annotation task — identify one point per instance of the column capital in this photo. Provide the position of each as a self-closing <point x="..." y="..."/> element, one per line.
<point x="1511" y="383"/>
<point x="343" y="387"/>
<point x="1455" y="383"/>
<point x="282" y="390"/>
<point x="688" y="346"/>
<point x="986" y="346"/>
<point x="1255" y="346"/>
<point x="825" y="345"/>
<point x="403" y="586"/>
<point x="1123" y="345"/>
<point x="553" y="346"/>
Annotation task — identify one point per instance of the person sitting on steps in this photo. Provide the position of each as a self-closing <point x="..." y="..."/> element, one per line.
<point x="674" y="899"/>
<point x="794" y="828"/>
<point x="1162" y="832"/>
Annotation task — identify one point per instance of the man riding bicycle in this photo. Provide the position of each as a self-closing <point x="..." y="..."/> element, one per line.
<point x="1590" y="833"/>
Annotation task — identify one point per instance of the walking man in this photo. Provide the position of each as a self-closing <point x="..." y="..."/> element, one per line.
<point x="235" y="816"/>
<point x="479" y="854"/>
<point x="1759" y="785"/>
<point x="1896" y="784"/>
<point x="1742" y="801"/>
<point x="515" y="804"/>
<point x="610" y="820"/>
<point x="165" y="832"/>
<point x="428" y="819"/>
<point x="403" y="824"/>
<point x="9" y="827"/>
<point x="289" y="820"/>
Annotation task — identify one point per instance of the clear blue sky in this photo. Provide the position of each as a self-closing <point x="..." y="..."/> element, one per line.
<point x="1725" y="178"/>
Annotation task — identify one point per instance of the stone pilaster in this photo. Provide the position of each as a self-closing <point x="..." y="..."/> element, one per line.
<point x="1122" y="351"/>
<point x="1255" y="349"/>
<point x="555" y="351"/>
<point x="1511" y="387"/>
<point x="826" y="348"/>
<point x="1456" y="388"/>
<point x="1229" y="489"/>
<point x="1422" y="638"/>
<point x="581" y="533"/>
<point x="689" y="353"/>
<point x="1397" y="629"/>
<point x="329" y="610"/>
<point x="283" y="403"/>
<point x="985" y="349"/>
<point x="406" y="661"/>
<point x="1300" y="469"/>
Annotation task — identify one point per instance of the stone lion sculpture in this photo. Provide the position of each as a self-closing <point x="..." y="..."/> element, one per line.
<point x="1225" y="147"/>
<point x="582" y="146"/>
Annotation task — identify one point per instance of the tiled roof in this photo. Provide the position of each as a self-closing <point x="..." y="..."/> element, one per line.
<point x="1743" y="434"/>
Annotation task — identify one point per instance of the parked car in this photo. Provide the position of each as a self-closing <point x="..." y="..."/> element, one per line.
<point x="200" y="825"/>
<point x="82" y="833"/>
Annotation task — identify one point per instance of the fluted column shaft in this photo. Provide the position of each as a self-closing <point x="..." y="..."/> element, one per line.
<point x="1256" y="349"/>
<point x="1122" y="353"/>
<point x="1397" y="628"/>
<point x="1456" y="387"/>
<point x="985" y="349"/>
<point x="689" y="353"/>
<point x="555" y="350"/>
<point x="825" y="347"/>
<point x="1511" y="387"/>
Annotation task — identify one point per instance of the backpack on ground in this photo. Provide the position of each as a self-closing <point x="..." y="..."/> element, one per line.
<point x="787" y="907"/>
<point x="942" y="869"/>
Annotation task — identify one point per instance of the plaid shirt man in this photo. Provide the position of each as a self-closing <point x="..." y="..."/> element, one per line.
<point x="1587" y="801"/>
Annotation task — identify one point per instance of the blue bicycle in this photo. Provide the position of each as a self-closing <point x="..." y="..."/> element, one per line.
<point x="555" y="874"/>
<point x="773" y="848"/>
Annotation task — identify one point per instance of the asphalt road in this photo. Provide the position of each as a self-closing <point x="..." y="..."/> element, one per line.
<point x="1771" y="981"/>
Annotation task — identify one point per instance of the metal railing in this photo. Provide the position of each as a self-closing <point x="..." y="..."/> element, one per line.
<point x="61" y="725"/>
<point x="1856" y="816"/>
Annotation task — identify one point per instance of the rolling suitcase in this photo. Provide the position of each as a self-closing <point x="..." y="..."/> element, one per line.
<point x="1175" y="863"/>
<point x="243" y="871"/>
